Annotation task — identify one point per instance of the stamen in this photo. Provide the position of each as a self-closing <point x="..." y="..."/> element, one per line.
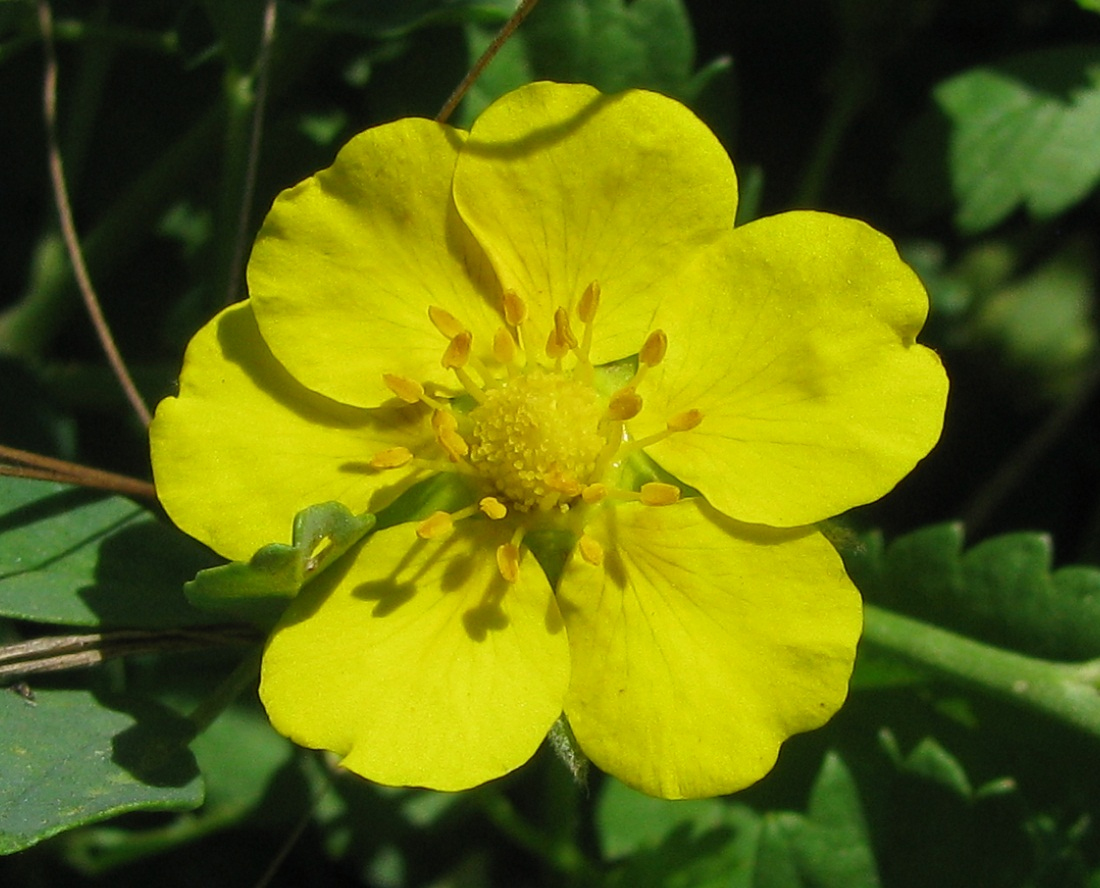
<point x="590" y="302"/>
<point x="591" y="551"/>
<point x="586" y="311"/>
<point x="445" y="322"/>
<point x="493" y="507"/>
<point x="504" y="347"/>
<point x="561" y="339"/>
<point x="686" y="421"/>
<point x="455" y="358"/>
<point x="508" y="561"/>
<point x="653" y="349"/>
<point x="657" y="493"/>
<point x="408" y="390"/>
<point x="681" y="422"/>
<point x="624" y="404"/>
<point x="458" y="352"/>
<point x="445" y="427"/>
<point x="515" y="309"/>
<point x="391" y="458"/>
<point x="594" y="493"/>
<point x="434" y="526"/>
<point x="563" y="483"/>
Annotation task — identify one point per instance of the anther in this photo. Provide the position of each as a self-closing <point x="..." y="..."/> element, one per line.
<point x="508" y="561"/>
<point x="624" y="404"/>
<point x="515" y="309"/>
<point x="445" y="322"/>
<point x="408" y="390"/>
<point x="445" y="427"/>
<point x="594" y="493"/>
<point x="653" y="349"/>
<point x="391" y="458"/>
<point x="591" y="551"/>
<point x="657" y="493"/>
<point x="561" y="339"/>
<point x="563" y="483"/>
<point x="683" y="422"/>
<point x="504" y="347"/>
<point x="590" y="301"/>
<point x="493" y="507"/>
<point x="434" y="526"/>
<point x="458" y="352"/>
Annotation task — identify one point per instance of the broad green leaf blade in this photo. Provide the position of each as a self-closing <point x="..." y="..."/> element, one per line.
<point x="1023" y="132"/>
<point x="77" y="557"/>
<point x="240" y="757"/>
<point x="70" y="759"/>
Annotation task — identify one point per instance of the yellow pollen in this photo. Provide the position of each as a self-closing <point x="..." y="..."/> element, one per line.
<point x="590" y="301"/>
<point x="534" y="436"/>
<point x="515" y="309"/>
<point x="625" y="404"/>
<point x="458" y="352"/>
<point x="594" y="493"/>
<point x="391" y="458"/>
<point x="653" y="349"/>
<point x="445" y="322"/>
<point x="684" y="422"/>
<point x="591" y="551"/>
<point x="508" y="561"/>
<point x="504" y="347"/>
<point x="493" y="507"/>
<point x="434" y="526"/>
<point x="408" y="390"/>
<point x="657" y="493"/>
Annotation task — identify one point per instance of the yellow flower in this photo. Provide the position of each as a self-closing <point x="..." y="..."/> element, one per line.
<point x="555" y="310"/>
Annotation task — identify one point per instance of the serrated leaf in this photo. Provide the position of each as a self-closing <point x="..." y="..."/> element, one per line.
<point x="70" y="759"/>
<point x="1001" y="591"/>
<point x="1023" y="132"/>
<point x="260" y="587"/>
<point x="77" y="557"/>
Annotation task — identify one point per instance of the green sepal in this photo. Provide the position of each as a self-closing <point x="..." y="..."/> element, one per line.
<point x="259" y="589"/>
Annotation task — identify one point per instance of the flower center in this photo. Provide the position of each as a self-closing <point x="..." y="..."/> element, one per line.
<point x="540" y="436"/>
<point x="536" y="440"/>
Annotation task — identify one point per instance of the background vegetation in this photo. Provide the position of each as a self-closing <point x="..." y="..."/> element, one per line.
<point x="968" y="130"/>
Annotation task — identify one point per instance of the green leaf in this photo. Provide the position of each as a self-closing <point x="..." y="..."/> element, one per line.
<point x="611" y="44"/>
<point x="1002" y="591"/>
<point x="240" y="756"/>
<point x="829" y="847"/>
<point x="259" y="588"/>
<point x="1023" y="132"/>
<point x="1043" y="322"/>
<point x="77" y="557"/>
<point x="1090" y="5"/>
<point x="70" y="759"/>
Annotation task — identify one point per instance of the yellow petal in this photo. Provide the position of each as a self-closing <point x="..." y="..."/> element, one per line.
<point x="795" y="339"/>
<point x="419" y="663"/>
<point x="244" y="447"/>
<point x="563" y="186"/>
<point x="700" y="644"/>
<point x="349" y="261"/>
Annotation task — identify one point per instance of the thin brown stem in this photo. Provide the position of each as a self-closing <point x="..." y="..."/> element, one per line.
<point x="68" y="227"/>
<point x="522" y="11"/>
<point x="57" y="653"/>
<point x="24" y="464"/>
